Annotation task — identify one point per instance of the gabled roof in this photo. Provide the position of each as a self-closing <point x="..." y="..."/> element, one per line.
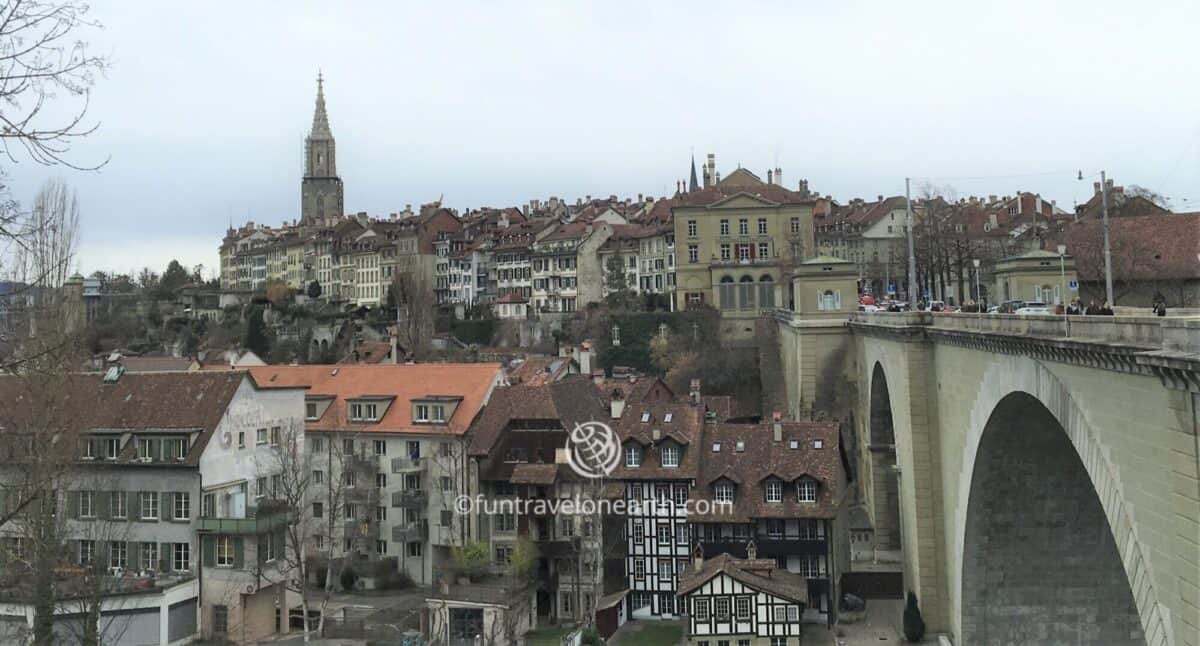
<point x="760" y="574"/>
<point x="473" y="382"/>
<point x="564" y="403"/>
<point x="684" y="428"/>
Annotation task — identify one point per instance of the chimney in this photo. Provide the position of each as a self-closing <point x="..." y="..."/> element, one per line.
<point x="1096" y="187"/>
<point x="617" y="405"/>
<point x="770" y="176"/>
<point x="656" y="434"/>
<point x="777" y="426"/>
<point x="697" y="558"/>
<point x="717" y="178"/>
<point x="751" y="550"/>
<point x="710" y="169"/>
<point x="991" y="198"/>
<point x="779" y="176"/>
<point x="879" y="198"/>
<point x="525" y="210"/>
<point x="639" y="197"/>
<point x="694" y="391"/>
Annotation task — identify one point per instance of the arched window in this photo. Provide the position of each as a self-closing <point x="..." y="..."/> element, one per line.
<point x="766" y="292"/>
<point x="726" y="292"/>
<point x="830" y="301"/>
<point x="746" y="293"/>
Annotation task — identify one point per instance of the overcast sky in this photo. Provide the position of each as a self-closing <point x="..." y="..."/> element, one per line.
<point x="205" y="110"/>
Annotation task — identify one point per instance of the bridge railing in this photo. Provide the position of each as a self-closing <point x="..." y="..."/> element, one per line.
<point x="1176" y="333"/>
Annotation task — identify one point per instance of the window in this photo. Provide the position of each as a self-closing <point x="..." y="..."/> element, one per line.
<point x="639" y="569"/>
<point x="149" y="552"/>
<point x="310" y="411"/>
<point x="318" y="510"/>
<point x="795" y="225"/>
<point x="639" y="534"/>
<point x="439" y="413"/>
<point x="117" y="554"/>
<point x="724" y="227"/>
<point x="149" y="504"/>
<point x="117" y="504"/>
<point x="633" y="456"/>
<point x="506" y="522"/>
<point x="181" y="557"/>
<point x="348" y="446"/>
<point x="724" y="492"/>
<point x="224" y="551"/>
<point x="700" y="609"/>
<point x="774" y="491"/>
<point x="87" y="504"/>
<point x="351" y="511"/>
<point x="779" y="614"/>
<point x="364" y="412"/>
<point x="241" y="439"/>
<point x="810" y="566"/>
<point x="663" y="532"/>
<point x="742" y="608"/>
<point x="348" y="478"/>
<point x="667" y="418"/>
<point x="793" y="613"/>
<point x="807" y="490"/>
<point x="666" y="603"/>
<point x="318" y="476"/>
<point x="183" y="506"/>
<point x="743" y="226"/>
<point x="447" y="484"/>
<point x="691" y="228"/>
<point x="87" y="551"/>
<point x="722" y="608"/>
<point x="830" y="300"/>
<point x="681" y="494"/>
<point x="774" y="527"/>
<point x="145" y="450"/>
<point x="764" y="250"/>
<point x="380" y="514"/>
<point x="808" y="530"/>
<point x="89" y="450"/>
<point x="317" y="445"/>
<point x="414" y="548"/>
<point x="762" y="226"/>
<point x="779" y="641"/>
<point x="670" y="456"/>
<point x="380" y="447"/>
<point x="260" y="436"/>
<point x="381" y="481"/>
<point x="381" y="547"/>
<point x="726" y="252"/>
<point x="422" y="413"/>
<point x="693" y="253"/>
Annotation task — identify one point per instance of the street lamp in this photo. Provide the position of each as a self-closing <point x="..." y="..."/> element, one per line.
<point x="1062" y="276"/>
<point x="978" y="295"/>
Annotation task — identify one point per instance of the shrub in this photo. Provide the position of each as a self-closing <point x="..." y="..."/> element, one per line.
<point x="914" y="625"/>
<point x="349" y="578"/>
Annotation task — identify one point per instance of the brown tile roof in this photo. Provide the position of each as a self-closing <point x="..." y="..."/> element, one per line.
<point x="760" y="574"/>
<point x="149" y="401"/>
<point x="635" y="388"/>
<point x="684" y="428"/>
<point x="536" y="474"/>
<point x="763" y="458"/>
<point x="568" y="401"/>
<point x="537" y="370"/>
<point x="1144" y="247"/>
<point x="155" y="364"/>
<point x="770" y="192"/>
<point x="472" y="382"/>
<point x="369" y="352"/>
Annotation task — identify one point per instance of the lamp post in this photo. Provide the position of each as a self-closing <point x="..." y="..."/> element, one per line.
<point x="1062" y="276"/>
<point x="978" y="294"/>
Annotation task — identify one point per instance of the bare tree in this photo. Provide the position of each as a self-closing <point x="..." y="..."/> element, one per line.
<point x="41" y="58"/>
<point x="412" y="295"/>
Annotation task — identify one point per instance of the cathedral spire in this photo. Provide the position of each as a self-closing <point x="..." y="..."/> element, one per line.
<point x="320" y="127"/>
<point x="693" y="185"/>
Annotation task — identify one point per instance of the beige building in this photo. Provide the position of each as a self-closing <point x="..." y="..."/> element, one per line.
<point x="825" y="287"/>
<point x="736" y="243"/>
<point x="1036" y="276"/>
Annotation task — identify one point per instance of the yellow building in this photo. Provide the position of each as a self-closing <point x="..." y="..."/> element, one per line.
<point x="736" y="245"/>
<point x="1036" y="276"/>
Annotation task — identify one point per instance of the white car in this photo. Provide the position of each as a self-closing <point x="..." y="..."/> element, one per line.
<point x="1033" y="307"/>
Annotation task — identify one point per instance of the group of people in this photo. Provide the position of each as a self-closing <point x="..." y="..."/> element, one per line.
<point x="1104" y="309"/>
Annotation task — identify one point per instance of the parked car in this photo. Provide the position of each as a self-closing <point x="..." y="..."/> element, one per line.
<point x="1010" y="307"/>
<point x="1033" y="307"/>
<point x="937" y="306"/>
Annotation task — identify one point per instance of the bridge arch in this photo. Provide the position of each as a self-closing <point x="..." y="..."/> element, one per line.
<point x="882" y="442"/>
<point x="1046" y="545"/>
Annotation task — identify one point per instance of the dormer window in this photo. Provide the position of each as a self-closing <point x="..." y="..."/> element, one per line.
<point x="806" y="490"/>
<point x="670" y="456"/>
<point x="723" y="492"/>
<point x="89" y="450"/>
<point x="774" y="491"/>
<point x="667" y="418"/>
<point x="364" y="412"/>
<point x="310" y="411"/>
<point x="818" y="444"/>
<point x="633" y="456"/>
<point x="646" y="416"/>
<point x="422" y="414"/>
<point x="112" y="446"/>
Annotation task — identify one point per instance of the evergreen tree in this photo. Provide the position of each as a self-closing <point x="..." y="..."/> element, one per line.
<point x="256" y="333"/>
<point x="914" y="625"/>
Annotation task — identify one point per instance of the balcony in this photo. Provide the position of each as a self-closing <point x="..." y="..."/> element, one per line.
<point x="362" y="494"/>
<point x="410" y="498"/>
<point x="408" y="464"/>
<point x="257" y="521"/>
<point x="355" y="528"/>
<point x="418" y="531"/>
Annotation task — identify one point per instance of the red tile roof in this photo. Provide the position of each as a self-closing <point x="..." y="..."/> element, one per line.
<point x="1144" y="247"/>
<point x="473" y="382"/>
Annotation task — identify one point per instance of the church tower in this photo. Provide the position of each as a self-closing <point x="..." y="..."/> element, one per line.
<point x="321" y="188"/>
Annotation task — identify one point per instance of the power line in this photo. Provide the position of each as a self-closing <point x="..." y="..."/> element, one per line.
<point x="1073" y="171"/>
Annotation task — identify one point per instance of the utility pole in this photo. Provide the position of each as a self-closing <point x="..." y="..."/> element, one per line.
<point x="912" y="258"/>
<point x="1108" y="287"/>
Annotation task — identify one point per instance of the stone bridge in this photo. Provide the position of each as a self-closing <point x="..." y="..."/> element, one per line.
<point x="1038" y="475"/>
